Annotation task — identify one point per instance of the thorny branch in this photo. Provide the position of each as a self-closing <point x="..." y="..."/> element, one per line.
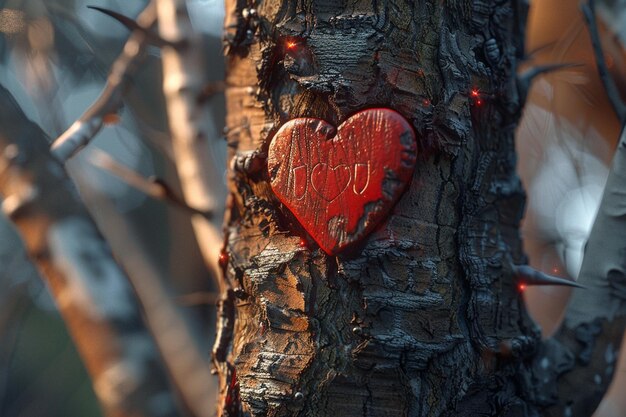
<point x="110" y="100"/>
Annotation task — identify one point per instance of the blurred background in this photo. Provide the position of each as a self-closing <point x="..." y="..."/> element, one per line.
<point x="55" y="56"/>
<point x="565" y="143"/>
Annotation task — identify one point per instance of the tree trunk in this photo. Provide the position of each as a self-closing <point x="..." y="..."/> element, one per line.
<point x="424" y="317"/>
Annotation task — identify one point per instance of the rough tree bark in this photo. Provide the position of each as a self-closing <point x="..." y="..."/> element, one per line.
<point x="425" y="316"/>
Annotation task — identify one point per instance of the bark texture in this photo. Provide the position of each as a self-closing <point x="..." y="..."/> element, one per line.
<point x="424" y="317"/>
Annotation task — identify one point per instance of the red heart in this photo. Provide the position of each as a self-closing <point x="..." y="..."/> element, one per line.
<point x="340" y="186"/>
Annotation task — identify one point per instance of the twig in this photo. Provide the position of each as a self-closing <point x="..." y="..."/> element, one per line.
<point x="153" y="187"/>
<point x="527" y="275"/>
<point x="610" y="87"/>
<point x="110" y="100"/>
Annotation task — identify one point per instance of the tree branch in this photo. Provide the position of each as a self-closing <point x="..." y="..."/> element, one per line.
<point x="91" y="292"/>
<point x="153" y="187"/>
<point x="612" y="91"/>
<point x="110" y="100"/>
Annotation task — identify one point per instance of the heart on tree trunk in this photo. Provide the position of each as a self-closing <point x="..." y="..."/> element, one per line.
<point x="340" y="183"/>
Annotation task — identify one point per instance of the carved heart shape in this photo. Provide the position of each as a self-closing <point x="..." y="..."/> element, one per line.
<point x="340" y="186"/>
<point x="330" y="182"/>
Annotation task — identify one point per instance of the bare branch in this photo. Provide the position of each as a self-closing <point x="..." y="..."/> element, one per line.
<point x="110" y="100"/>
<point x="91" y="292"/>
<point x="153" y="187"/>
<point x="612" y="91"/>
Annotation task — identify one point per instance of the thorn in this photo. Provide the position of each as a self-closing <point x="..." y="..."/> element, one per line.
<point x="132" y="25"/>
<point x="530" y="276"/>
<point x="128" y="23"/>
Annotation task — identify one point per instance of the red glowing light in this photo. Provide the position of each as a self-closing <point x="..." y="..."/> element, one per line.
<point x="521" y="287"/>
<point x="426" y="102"/>
<point x="302" y="243"/>
<point x="479" y="102"/>
<point x="475" y="92"/>
<point x="223" y="259"/>
<point x="291" y="45"/>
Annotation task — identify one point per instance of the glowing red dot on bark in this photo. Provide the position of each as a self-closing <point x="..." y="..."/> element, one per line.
<point x="521" y="287"/>
<point x="291" y="45"/>
<point x="223" y="259"/>
<point x="303" y="243"/>
<point x="479" y="102"/>
<point x="475" y="92"/>
<point x="426" y="102"/>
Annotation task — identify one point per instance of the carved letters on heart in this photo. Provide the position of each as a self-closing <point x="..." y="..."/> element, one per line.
<point x="340" y="185"/>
